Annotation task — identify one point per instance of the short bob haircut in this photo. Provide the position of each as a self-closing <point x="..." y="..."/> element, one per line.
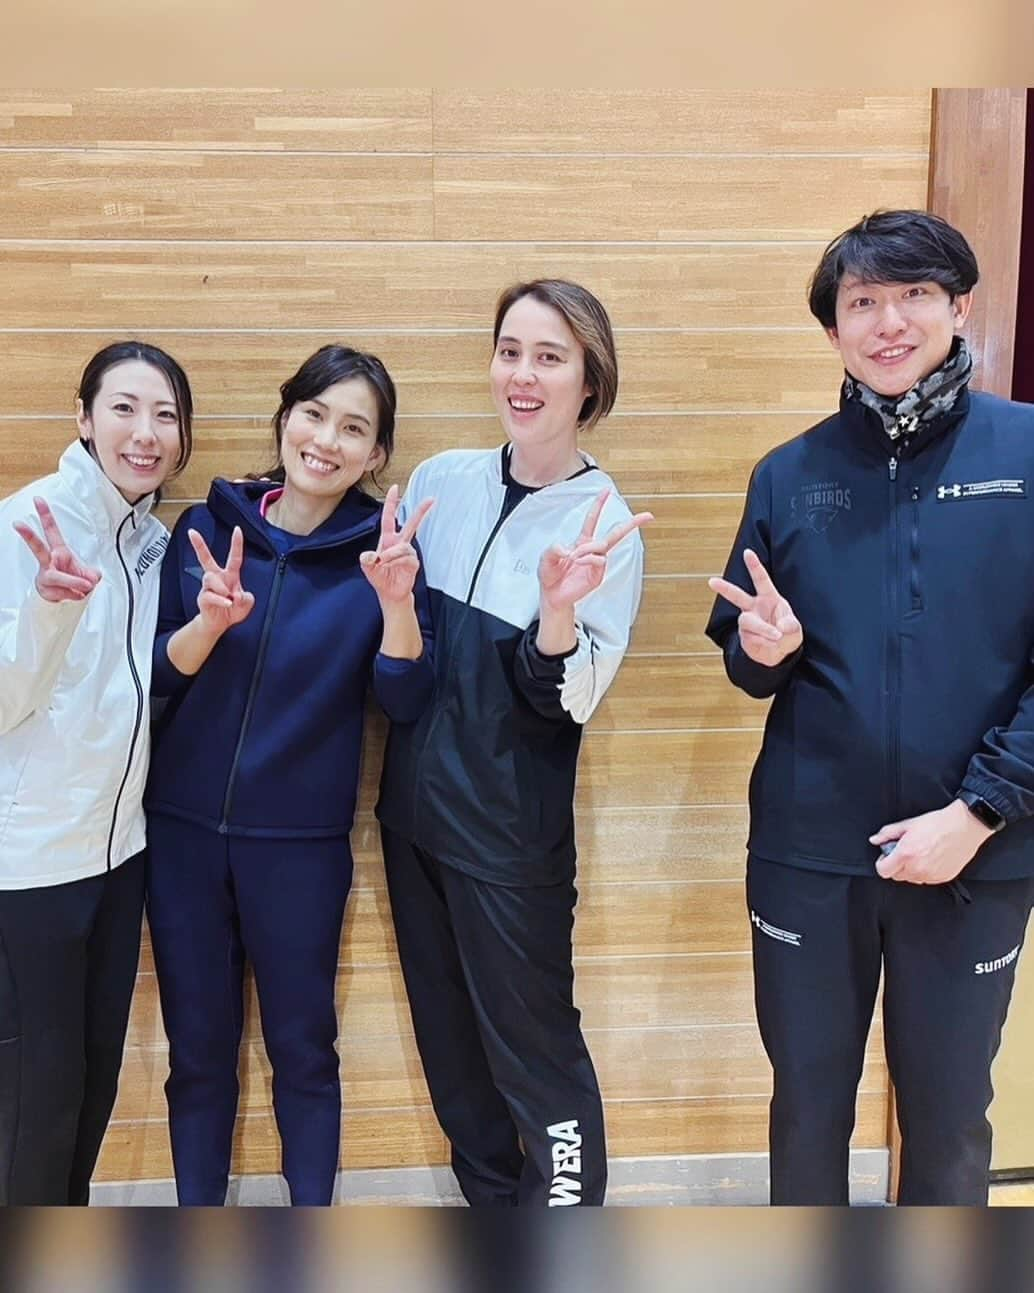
<point x="590" y="323"/>
<point x="328" y="366"/>
<point x="893" y="247"/>
<point x="120" y="352"/>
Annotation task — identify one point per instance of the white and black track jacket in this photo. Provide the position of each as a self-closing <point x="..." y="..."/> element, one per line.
<point x="74" y="682"/>
<point x="484" y="781"/>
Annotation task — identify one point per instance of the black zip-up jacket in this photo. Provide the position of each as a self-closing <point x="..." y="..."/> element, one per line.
<point x="911" y="570"/>
<point x="484" y="780"/>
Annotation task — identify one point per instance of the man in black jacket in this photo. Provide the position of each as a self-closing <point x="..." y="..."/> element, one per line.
<point x="881" y="591"/>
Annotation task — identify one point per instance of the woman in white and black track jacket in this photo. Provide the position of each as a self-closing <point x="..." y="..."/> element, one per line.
<point x="80" y="554"/>
<point x="534" y="569"/>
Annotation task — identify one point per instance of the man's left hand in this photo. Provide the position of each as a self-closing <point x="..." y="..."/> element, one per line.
<point x="932" y="848"/>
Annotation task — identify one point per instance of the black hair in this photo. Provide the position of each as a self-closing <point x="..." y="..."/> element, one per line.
<point x="893" y="247"/>
<point x="119" y="352"/>
<point x="328" y="366"/>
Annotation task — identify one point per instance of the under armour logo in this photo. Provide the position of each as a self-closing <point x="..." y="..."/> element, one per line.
<point x="948" y="491"/>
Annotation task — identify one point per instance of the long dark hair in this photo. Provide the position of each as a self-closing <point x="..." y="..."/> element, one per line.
<point x="328" y="366"/>
<point x="121" y="351"/>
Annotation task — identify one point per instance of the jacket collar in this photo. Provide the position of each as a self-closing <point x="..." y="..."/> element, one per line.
<point x="238" y="502"/>
<point x="865" y="426"/>
<point x="101" y="502"/>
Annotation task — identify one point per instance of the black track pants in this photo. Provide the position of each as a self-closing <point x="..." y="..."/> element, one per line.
<point x="490" y="982"/>
<point x="819" y="943"/>
<point x="68" y="960"/>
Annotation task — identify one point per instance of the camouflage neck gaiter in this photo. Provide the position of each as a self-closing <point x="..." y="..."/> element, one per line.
<point x="935" y="395"/>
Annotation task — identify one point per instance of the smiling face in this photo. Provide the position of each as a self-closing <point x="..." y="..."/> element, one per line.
<point x="330" y="442"/>
<point x="537" y="375"/>
<point x="133" y="427"/>
<point x="892" y="335"/>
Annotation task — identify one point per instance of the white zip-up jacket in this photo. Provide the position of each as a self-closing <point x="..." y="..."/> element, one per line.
<point x="74" y="682"/>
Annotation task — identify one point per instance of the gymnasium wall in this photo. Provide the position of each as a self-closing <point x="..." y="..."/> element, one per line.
<point x="241" y="230"/>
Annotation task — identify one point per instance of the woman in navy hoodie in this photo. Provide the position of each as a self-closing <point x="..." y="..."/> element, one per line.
<point x="281" y="598"/>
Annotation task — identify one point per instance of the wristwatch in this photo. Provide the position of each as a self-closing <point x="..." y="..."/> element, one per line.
<point x="982" y="810"/>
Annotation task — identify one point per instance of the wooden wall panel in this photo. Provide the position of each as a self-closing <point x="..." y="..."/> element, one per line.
<point x="369" y="120"/>
<point x="239" y="373"/>
<point x="682" y="121"/>
<point x="342" y="285"/>
<point x="665" y="198"/>
<point x="242" y="229"/>
<point x="404" y="1137"/>
<point x="109" y="193"/>
<point x="650" y="454"/>
<point x="383" y="1072"/>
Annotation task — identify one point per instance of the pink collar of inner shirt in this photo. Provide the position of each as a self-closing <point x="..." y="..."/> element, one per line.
<point x="268" y="499"/>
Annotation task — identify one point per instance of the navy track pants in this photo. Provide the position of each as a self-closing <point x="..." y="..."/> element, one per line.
<point x="215" y="902"/>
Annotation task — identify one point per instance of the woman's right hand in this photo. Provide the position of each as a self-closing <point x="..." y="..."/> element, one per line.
<point x="222" y="601"/>
<point x="61" y="577"/>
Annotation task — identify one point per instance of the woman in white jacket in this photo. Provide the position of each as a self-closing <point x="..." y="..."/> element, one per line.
<point x="80" y="554"/>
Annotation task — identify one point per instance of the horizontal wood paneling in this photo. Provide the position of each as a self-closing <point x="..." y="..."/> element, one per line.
<point x="677" y="692"/>
<point x="646" y="455"/>
<point x="720" y="197"/>
<point x="418" y="285"/>
<point x="139" y="1151"/>
<point x="627" y="844"/>
<point x="125" y="194"/>
<point x="691" y="121"/>
<point x="674" y="611"/>
<point x="615" y="991"/>
<point x="658" y="919"/>
<point x="405" y="1137"/>
<point x="239" y="373"/>
<point x="384" y="1072"/>
<point x="367" y="120"/>
<point x="241" y="230"/>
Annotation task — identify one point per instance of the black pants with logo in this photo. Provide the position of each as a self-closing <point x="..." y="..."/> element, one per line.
<point x="820" y="941"/>
<point x="68" y="960"/>
<point x="490" y="983"/>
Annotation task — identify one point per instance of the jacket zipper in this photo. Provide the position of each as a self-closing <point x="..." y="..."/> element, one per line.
<point x="501" y="520"/>
<point x="433" y="722"/>
<point x="917" y="597"/>
<point x="894" y="654"/>
<point x="136" y="684"/>
<point x="260" y="659"/>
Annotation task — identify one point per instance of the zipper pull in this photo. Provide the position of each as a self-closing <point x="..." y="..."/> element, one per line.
<point x="892" y="467"/>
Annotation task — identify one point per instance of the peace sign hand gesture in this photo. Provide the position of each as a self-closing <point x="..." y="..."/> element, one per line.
<point x="769" y="630"/>
<point x="222" y="601"/>
<point x="566" y="575"/>
<point x="392" y="568"/>
<point x="61" y="577"/>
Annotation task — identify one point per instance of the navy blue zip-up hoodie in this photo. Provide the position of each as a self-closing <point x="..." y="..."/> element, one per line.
<point x="265" y="739"/>
<point x="912" y="572"/>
